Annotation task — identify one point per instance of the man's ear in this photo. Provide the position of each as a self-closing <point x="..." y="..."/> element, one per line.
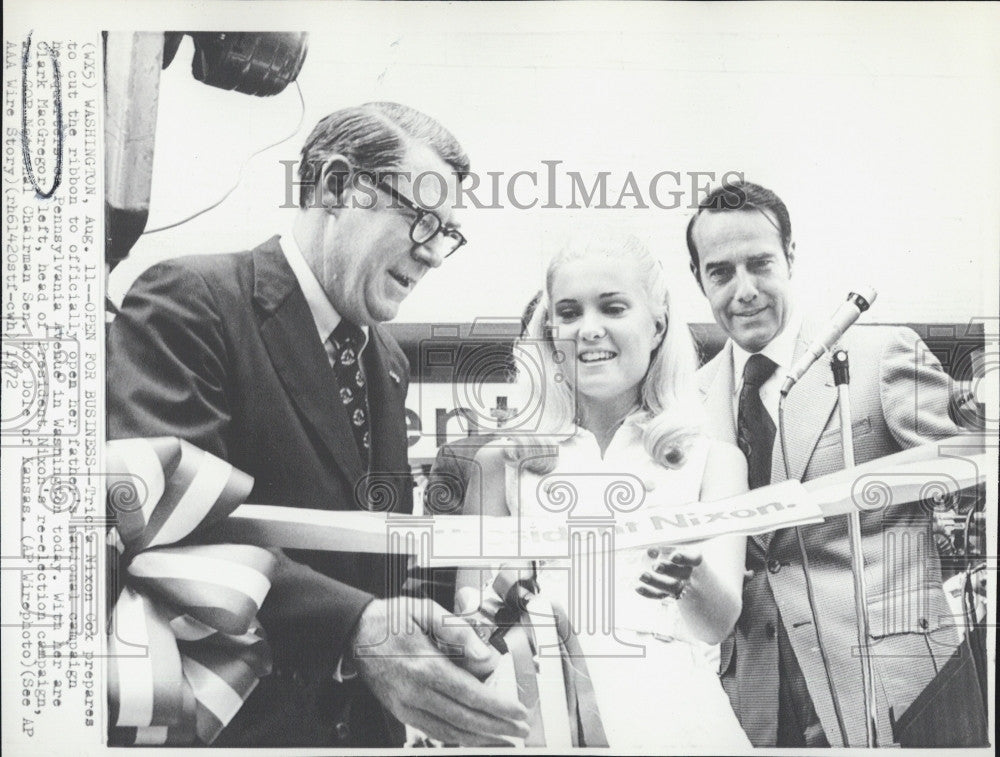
<point x="697" y="275"/>
<point x="790" y="257"/>
<point x="334" y="183"/>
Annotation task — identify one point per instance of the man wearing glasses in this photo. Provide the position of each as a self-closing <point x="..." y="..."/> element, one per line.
<point x="275" y="360"/>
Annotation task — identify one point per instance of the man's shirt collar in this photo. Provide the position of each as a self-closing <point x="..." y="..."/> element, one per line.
<point x="781" y="350"/>
<point x="324" y="314"/>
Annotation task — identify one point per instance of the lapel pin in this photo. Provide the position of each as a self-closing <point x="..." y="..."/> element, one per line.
<point x="394" y="376"/>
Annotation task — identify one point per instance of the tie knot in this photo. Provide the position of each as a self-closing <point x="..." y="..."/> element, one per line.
<point x="758" y="370"/>
<point x="347" y="334"/>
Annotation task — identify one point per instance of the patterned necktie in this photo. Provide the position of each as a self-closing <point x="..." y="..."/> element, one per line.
<point x="344" y="349"/>
<point x="754" y="427"/>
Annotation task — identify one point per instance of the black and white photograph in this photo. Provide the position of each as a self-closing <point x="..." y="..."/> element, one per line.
<point x="554" y="376"/>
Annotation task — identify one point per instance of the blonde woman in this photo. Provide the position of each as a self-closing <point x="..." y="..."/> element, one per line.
<point x="625" y="409"/>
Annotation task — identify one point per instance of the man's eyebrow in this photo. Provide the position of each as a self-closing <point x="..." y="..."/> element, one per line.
<point x="611" y="294"/>
<point x="714" y="266"/>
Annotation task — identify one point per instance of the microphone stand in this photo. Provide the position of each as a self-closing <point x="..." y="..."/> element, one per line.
<point x="810" y="596"/>
<point x="841" y="379"/>
<point x="843" y="318"/>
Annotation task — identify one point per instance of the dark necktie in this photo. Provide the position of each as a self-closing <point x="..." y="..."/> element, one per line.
<point x="754" y="427"/>
<point x="344" y="348"/>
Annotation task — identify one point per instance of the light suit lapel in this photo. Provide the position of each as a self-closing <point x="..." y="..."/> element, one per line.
<point x="808" y="408"/>
<point x="807" y="411"/>
<point x="716" y="386"/>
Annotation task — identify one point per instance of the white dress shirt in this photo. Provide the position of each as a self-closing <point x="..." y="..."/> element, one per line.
<point x="324" y="314"/>
<point x="781" y="350"/>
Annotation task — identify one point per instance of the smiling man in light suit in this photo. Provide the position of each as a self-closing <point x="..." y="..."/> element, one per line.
<point x="790" y="669"/>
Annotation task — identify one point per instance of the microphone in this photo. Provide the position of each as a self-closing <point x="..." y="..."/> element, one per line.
<point x="842" y="320"/>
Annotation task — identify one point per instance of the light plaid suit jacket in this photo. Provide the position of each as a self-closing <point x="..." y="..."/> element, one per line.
<point x="899" y="398"/>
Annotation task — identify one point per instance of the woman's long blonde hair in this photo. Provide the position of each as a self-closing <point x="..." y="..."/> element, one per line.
<point x="672" y="412"/>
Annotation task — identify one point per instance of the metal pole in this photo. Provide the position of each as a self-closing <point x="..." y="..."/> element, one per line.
<point x="842" y="378"/>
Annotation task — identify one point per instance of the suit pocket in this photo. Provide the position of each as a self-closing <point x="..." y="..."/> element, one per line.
<point x="832" y="435"/>
<point x="912" y="611"/>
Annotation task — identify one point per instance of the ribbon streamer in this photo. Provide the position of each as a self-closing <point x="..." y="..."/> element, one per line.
<point x="932" y="471"/>
<point x="553" y="725"/>
<point x="185" y="647"/>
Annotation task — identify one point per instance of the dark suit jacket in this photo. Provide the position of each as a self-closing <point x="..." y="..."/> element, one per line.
<point x="899" y="399"/>
<point x="222" y="351"/>
<point x="451" y="473"/>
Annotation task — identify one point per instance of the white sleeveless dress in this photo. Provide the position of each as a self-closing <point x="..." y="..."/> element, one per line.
<point x="657" y="686"/>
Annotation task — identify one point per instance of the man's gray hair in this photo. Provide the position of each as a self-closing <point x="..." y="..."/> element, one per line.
<point x="373" y="138"/>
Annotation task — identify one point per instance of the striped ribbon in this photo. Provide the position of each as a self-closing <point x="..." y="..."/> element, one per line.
<point x="185" y="647"/>
<point x="553" y="723"/>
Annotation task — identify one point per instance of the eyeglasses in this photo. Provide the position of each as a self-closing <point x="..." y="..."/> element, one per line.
<point x="427" y="223"/>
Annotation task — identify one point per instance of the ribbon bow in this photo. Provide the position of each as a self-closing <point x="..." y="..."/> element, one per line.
<point x="526" y="625"/>
<point x="185" y="647"/>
